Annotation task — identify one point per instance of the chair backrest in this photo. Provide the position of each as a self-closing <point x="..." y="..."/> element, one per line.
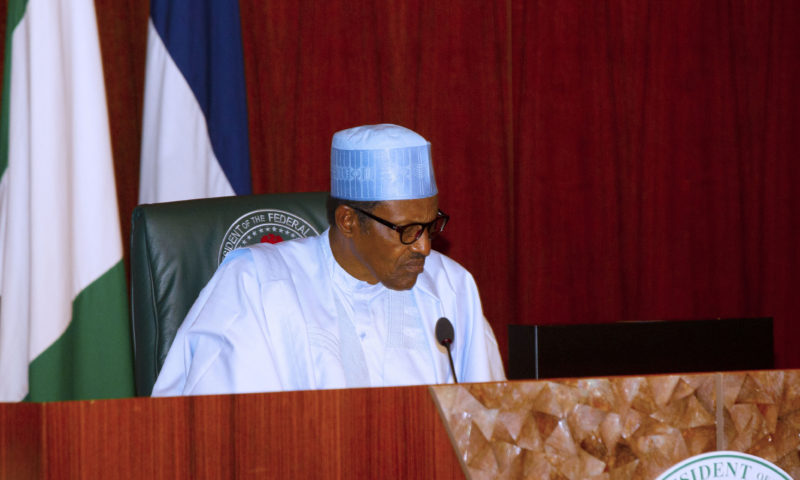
<point x="177" y="246"/>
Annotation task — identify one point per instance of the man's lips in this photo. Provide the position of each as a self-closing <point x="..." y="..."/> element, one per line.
<point x="415" y="267"/>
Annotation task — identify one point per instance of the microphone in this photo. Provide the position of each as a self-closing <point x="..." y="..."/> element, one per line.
<point x="445" y="335"/>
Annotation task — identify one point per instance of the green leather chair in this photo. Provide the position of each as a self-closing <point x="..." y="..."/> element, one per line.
<point x="177" y="246"/>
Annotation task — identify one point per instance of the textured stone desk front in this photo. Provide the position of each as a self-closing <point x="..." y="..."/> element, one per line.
<point x="620" y="427"/>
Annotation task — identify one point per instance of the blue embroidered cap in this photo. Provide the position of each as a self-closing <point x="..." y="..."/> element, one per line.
<point x="381" y="162"/>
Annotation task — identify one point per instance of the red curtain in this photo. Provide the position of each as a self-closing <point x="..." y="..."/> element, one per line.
<point x="655" y="145"/>
<point x="601" y="161"/>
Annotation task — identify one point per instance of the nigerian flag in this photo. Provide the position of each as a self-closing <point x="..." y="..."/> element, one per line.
<point x="64" y="330"/>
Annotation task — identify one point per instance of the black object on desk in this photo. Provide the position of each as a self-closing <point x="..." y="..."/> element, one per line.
<point x="639" y="348"/>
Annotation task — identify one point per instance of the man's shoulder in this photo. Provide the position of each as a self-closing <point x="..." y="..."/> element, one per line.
<point x="442" y="270"/>
<point x="277" y="260"/>
<point x="440" y="261"/>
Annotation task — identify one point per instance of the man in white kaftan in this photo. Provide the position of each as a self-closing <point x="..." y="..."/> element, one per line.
<point x="354" y="307"/>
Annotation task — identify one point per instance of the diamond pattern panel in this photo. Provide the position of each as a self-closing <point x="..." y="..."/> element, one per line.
<point x="620" y="427"/>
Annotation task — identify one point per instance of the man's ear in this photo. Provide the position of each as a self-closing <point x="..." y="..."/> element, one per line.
<point x="346" y="220"/>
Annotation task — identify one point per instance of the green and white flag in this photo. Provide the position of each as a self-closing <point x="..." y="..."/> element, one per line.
<point x="64" y="329"/>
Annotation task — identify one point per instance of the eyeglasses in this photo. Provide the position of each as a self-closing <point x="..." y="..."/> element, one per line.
<point x="410" y="233"/>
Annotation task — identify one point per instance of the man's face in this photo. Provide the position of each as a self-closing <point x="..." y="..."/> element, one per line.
<point x="378" y="247"/>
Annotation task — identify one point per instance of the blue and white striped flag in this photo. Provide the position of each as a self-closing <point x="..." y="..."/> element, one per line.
<point x="194" y="132"/>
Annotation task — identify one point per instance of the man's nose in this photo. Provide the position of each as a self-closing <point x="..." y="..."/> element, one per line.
<point x="423" y="244"/>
